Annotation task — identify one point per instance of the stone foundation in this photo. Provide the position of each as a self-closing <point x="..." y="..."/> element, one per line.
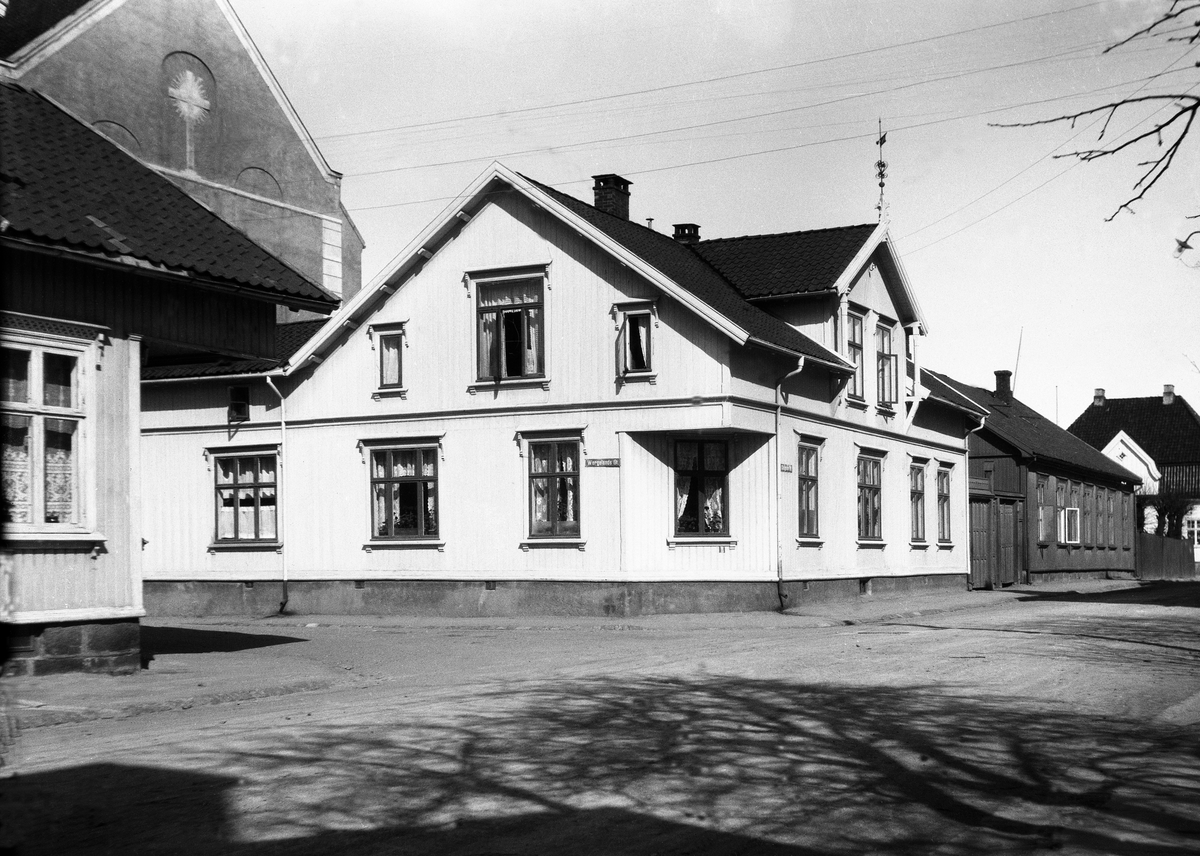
<point x="112" y="647"/>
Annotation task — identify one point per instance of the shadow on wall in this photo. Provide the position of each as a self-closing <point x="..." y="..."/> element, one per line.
<point x="706" y="765"/>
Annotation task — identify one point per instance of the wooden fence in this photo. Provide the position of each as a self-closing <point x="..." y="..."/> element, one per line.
<point x="1164" y="558"/>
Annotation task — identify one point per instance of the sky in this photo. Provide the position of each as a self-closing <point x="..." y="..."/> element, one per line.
<point x="761" y="116"/>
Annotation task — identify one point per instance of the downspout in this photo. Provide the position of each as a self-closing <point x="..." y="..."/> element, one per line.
<point x="967" y="475"/>
<point x="280" y="494"/>
<point x="778" y="489"/>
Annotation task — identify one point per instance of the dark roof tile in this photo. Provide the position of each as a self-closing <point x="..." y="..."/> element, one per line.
<point x="289" y="338"/>
<point x="1170" y="433"/>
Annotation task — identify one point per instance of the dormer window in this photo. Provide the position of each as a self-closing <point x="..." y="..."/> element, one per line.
<point x="885" y="367"/>
<point x="239" y="403"/>
<point x="854" y="346"/>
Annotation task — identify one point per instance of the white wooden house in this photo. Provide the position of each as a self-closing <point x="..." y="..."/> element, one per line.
<point x="542" y="406"/>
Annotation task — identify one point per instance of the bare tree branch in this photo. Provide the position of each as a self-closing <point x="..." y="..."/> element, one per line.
<point x="1177" y="10"/>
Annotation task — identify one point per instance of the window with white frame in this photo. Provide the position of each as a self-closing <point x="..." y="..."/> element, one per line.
<point x="870" y="497"/>
<point x="510" y="328"/>
<point x="636" y="343"/>
<point x="404" y="493"/>
<point x="916" y="500"/>
<point x="701" y="488"/>
<point x="807" y="469"/>
<point x="44" y="419"/>
<point x="554" y="488"/>
<point x="1069" y="514"/>
<point x="1193" y="532"/>
<point x="943" y="501"/>
<point x="854" y="347"/>
<point x="885" y="366"/>
<point x="246" y="497"/>
<point x="391" y="373"/>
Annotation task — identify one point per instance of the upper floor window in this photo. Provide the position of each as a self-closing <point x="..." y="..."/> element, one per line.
<point x="42" y="430"/>
<point x="807" y="469"/>
<point x="391" y="373"/>
<point x="554" y="489"/>
<point x="636" y="343"/>
<point x="870" y="498"/>
<point x="885" y="368"/>
<point x="404" y="493"/>
<point x="701" y="482"/>
<point x="246" y="498"/>
<point x="943" y="500"/>
<point x="854" y="345"/>
<point x="916" y="501"/>
<point x="510" y="329"/>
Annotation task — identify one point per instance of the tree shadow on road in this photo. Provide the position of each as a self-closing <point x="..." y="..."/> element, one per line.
<point x="703" y="764"/>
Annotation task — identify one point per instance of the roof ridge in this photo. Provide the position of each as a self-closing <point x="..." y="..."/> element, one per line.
<point x="790" y="234"/>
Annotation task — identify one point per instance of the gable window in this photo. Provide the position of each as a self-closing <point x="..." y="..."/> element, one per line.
<point x="246" y="498"/>
<point x="885" y="369"/>
<point x="239" y="403"/>
<point x="42" y="435"/>
<point x="870" y="498"/>
<point x="510" y="329"/>
<point x="854" y="344"/>
<point x="554" y="489"/>
<point x="943" y="501"/>
<point x="916" y="501"/>
<point x="391" y="375"/>
<point x="807" y="468"/>
<point x="404" y="494"/>
<point x="635" y="343"/>
<point x="701" y="481"/>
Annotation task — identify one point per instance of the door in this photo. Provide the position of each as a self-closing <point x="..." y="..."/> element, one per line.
<point x="983" y="544"/>
<point x="1007" y="538"/>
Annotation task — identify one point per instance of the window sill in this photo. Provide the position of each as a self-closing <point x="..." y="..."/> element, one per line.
<point x="407" y="544"/>
<point x="70" y="540"/>
<point x="510" y="383"/>
<point x="390" y="392"/>
<point x="858" y="403"/>
<point x="536" y="543"/>
<point x="918" y="545"/>
<point x="233" y="546"/>
<point x="945" y="545"/>
<point x="638" y="377"/>
<point x="886" y="409"/>
<point x="810" y="542"/>
<point x="871" y="544"/>
<point x="702" y="541"/>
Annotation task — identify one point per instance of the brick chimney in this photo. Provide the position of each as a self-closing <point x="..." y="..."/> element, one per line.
<point x="612" y="194"/>
<point x="687" y="233"/>
<point x="1004" y="385"/>
<point x="1168" y="393"/>
<point x="1098" y="398"/>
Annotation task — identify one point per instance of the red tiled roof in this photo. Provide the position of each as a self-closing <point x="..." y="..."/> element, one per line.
<point x="787" y="263"/>
<point x="289" y="338"/>
<point x="1170" y="433"/>
<point x="63" y="184"/>
<point x="690" y="271"/>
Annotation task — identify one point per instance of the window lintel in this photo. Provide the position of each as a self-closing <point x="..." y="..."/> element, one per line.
<point x="425" y="442"/>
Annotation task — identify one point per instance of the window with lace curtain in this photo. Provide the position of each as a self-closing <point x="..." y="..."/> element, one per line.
<point x="42" y="430"/>
<point x="554" y="489"/>
<point x="701" y="488"/>
<point x="246" y="498"/>
<point x="510" y="329"/>
<point x="404" y="493"/>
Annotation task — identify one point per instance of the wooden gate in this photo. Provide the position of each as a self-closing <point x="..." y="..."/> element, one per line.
<point x="995" y="542"/>
<point x="983" y="543"/>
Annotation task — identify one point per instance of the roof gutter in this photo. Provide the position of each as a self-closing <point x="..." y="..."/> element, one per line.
<point x="761" y="343"/>
<point x="247" y="376"/>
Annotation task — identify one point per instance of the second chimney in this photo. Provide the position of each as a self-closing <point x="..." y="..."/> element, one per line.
<point x="1004" y="385"/>
<point x="612" y="194"/>
<point x="1098" y="398"/>
<point x="1168" y="393"/>
<point x="687" y="233"/>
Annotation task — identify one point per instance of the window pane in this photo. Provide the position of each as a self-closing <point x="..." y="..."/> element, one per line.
<point x="568" y="505"/>
<point x="60" y="471"/>
<point x="488" y="345"/>
<point x="266" y="469"/>
<point x="686" y="454"/>
<point x="17" y="469"/>
<point x="533" y="342"/>
<point x="431" y="512"/>
<point x="540" y="523"/>
<point x="637" y="343"/>
<point x="225" y="470"/>
<point x="539" y="457"/>
<point x="514" y="358"/>
<point x="266" y="513"/>
<point x="511" y="293"/>
<point x="245" y="513"/>
<point x="225" y="514"/>
<point x="14" y="375"/>
<point x="58" y="380"/>
<point x="714" y="457"/>
<point x="379" y="465"/>
<point x="405" y="508"/>
<point x="389" y="361"/>
<point x="379" y="517"/>
<point x="429" y="463"/>
<point x="714" y="505"/>
<point x="687" y="502"/>
<point x="404" y="463"/>
<point x="245" y="470"/>
<point x="568" y="457"/>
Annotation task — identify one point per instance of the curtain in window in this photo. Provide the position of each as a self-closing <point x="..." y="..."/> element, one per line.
<point x="431" y="527"/>
<point x="379" y="507"/>
<point x="389" y="366"/>
<point x="60" y="470"/>
<point x="533" y="341"/>
<point x="488" y="345"/>
<point x="638" y="336"/>
<point x="59" y="370"/>
<point x="17" y="475"/>
<point x="686" y="517"/>
<point x="266" y="513"/>
<point x="511" y="293"/>
<point x="14" y="375"/>
<point x="714" y="510"/>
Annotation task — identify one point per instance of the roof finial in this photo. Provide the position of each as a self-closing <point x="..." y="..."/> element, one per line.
<point x="881" y="168"/>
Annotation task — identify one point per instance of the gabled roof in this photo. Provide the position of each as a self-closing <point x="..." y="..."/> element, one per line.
<point x="671" y="266"/>
<point x="1170" y="433"/>
<point x="788" y="263"/>
<point x="64" y="185"/>
<point x="1035" y="436"/>
<point x="289" y="338"/>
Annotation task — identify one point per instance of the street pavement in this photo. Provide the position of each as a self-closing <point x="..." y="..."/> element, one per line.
<point x="1051" y="718"/>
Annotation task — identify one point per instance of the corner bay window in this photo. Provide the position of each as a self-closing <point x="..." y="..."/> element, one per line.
<point x="42" y="432"/>
<point x="404" y="498"/>
<point x="510" y="341"/>
<point x="870" y="498"/>
<point x="246" y="498"/>
<point x="916" y="501"/>
<point x="807" y="462"/>
<point x="701" y="478"/>
<point x="554" y="489"/>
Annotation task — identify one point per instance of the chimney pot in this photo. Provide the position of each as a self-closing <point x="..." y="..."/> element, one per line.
<point x="1004" y="385"/>
<point x="1168" y="393"/>
<point x="1098" y="399"/>
<point x="612" y="194"/>
<point x="687" y="233"/>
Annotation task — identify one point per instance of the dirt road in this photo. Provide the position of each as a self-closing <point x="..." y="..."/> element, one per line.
<point x="1051" y="722"/>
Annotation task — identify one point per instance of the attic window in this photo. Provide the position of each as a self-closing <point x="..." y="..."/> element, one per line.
<point x="635" y="347"/>
<point x="239" y="404"/>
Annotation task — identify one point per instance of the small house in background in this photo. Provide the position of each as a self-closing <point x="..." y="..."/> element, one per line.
<point x="107" y="266"/>
<point x="1044" y="505"/>
<point x="544" y="406"/>
<point x="1158" y="437"/>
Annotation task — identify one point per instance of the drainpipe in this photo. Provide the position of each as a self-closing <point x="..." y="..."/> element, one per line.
<point x="778" y="489"/>
<point x="967" y="475"/>
<point x="279" y="494"/>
